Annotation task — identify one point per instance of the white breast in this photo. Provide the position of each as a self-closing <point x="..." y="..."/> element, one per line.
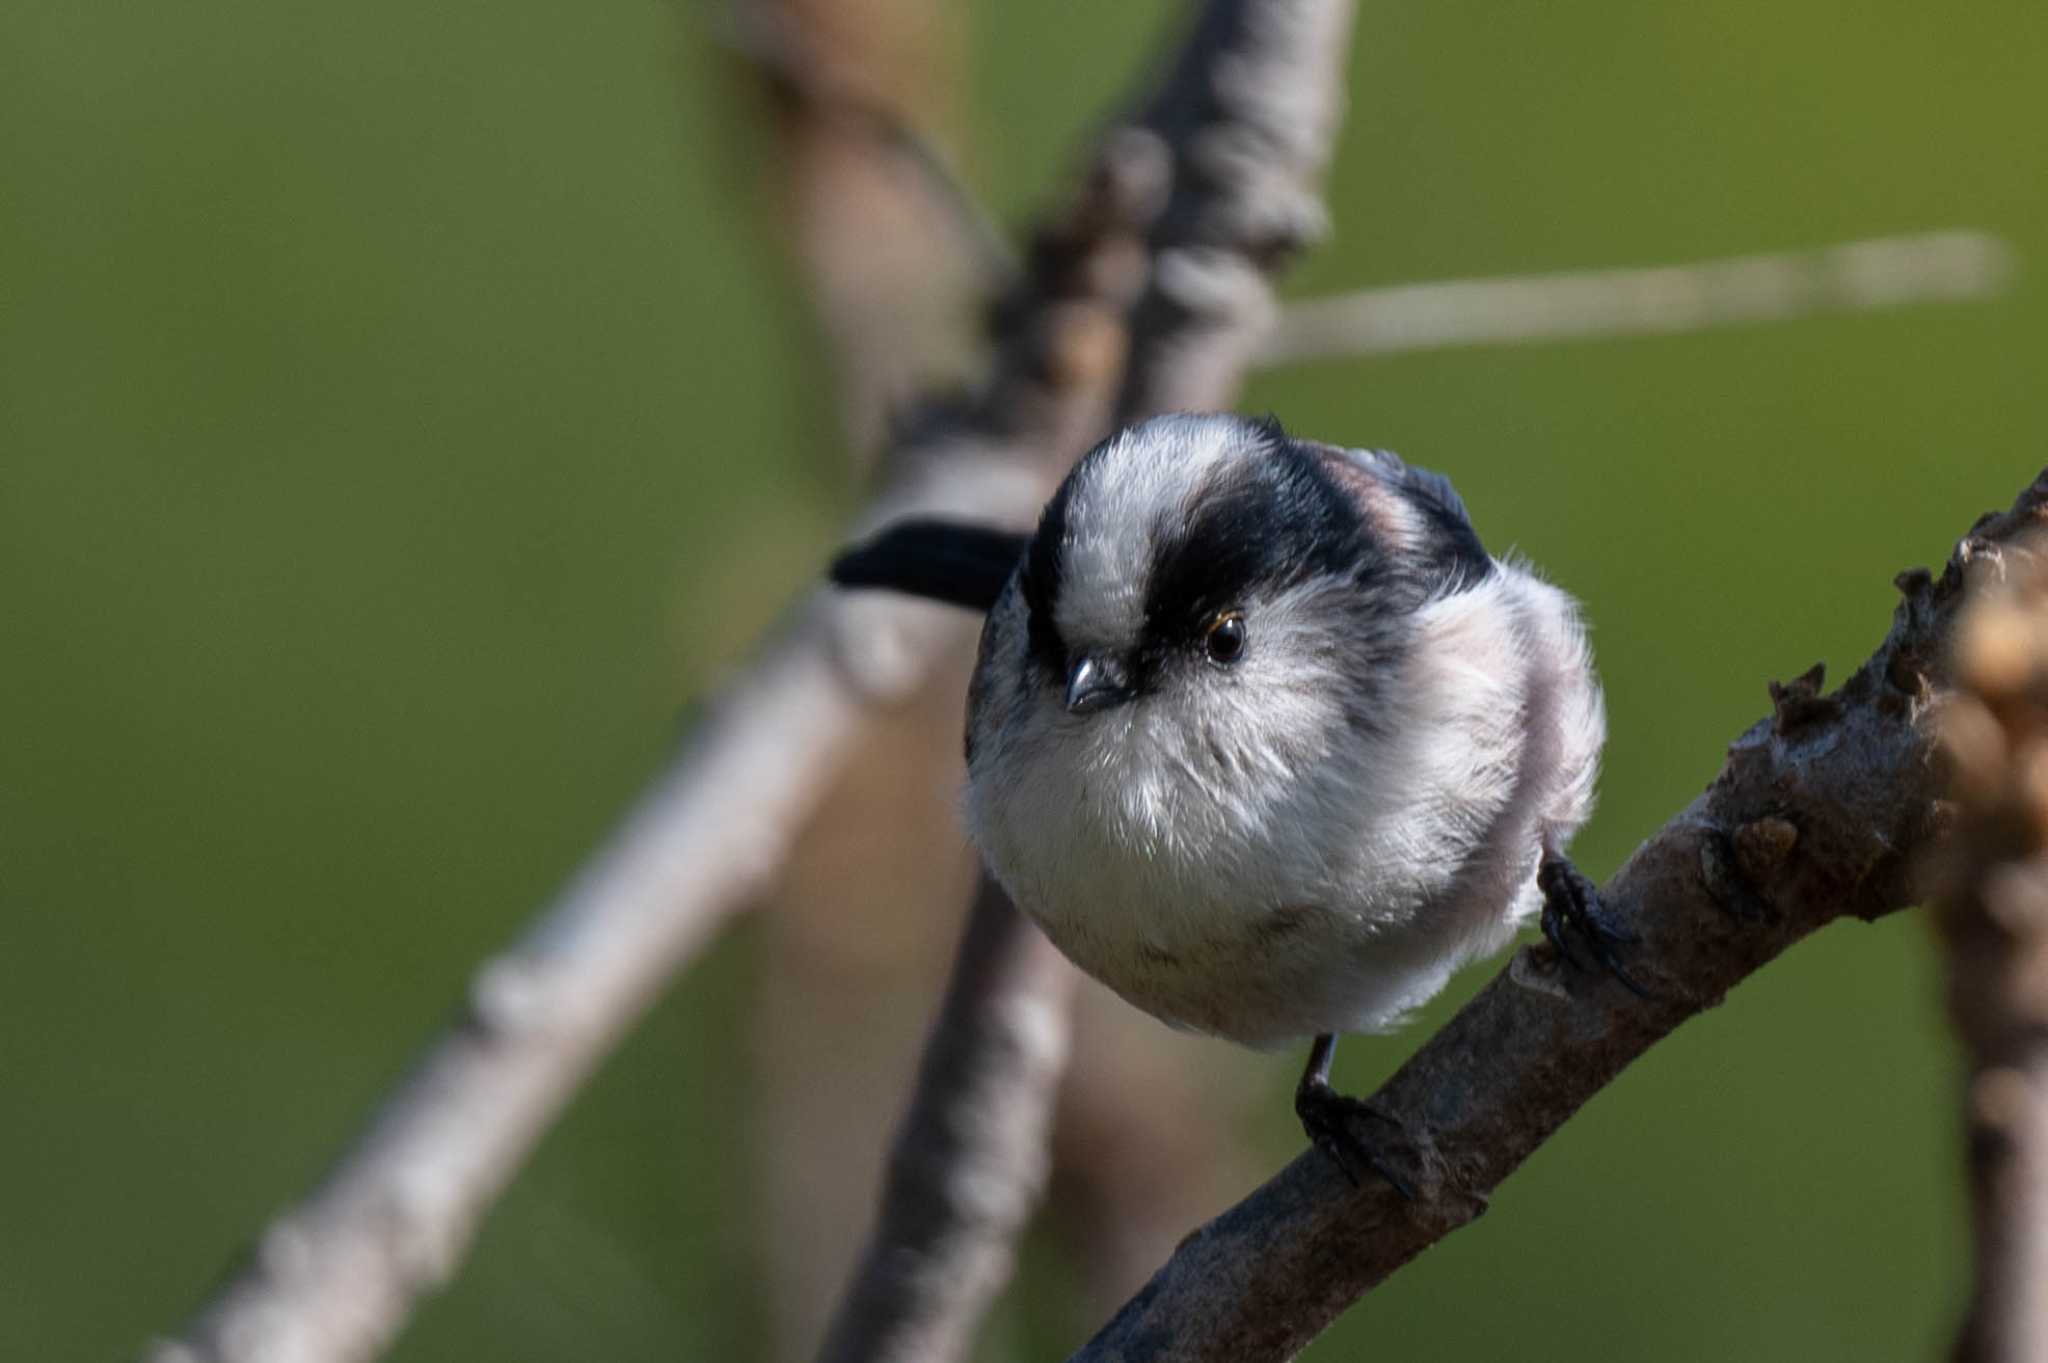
<point x="1276" y="874"/>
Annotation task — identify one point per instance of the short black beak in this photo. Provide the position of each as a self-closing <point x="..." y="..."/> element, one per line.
<point x="1096" y="684"/>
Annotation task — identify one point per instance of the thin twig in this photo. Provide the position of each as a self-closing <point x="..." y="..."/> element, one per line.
<point x="1856" y="276"/>
<point x="1224" y="226"/>
<point x="1820" y="812"/>
<point x="1993" y="915"/>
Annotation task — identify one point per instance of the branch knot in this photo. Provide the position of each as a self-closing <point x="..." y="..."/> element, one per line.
<point x="1799" y="703"/>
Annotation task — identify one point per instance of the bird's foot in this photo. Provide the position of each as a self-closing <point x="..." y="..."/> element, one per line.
<point x="1332" y="1121"/>
<point x="1572" y="913"/>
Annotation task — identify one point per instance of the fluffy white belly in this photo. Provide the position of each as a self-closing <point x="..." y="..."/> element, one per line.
<point x="1262" y="963"/>
<point x="1265" y="979"/>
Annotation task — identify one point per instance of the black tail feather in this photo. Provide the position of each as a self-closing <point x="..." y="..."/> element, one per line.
<point x="949" y="561"/>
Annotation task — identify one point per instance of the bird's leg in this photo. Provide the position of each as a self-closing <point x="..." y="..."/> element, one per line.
<point x="1331" y="1120"/>
<point x="1571" y="911"/>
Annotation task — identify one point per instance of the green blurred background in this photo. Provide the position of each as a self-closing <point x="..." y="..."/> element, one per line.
<point x="404" y="414"/>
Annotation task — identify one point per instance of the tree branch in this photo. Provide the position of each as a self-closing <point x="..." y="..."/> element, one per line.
<point x="1250" y="113"/>
<point x="1819" y="812"/>
<point x="1993" y="916"/>
<point x="1243" y="126"/>
<point x="1856" y="276"/>
<point x="971" y="1163"/>
<point x="898" y="266"/>
<point x="336" y="1277"/>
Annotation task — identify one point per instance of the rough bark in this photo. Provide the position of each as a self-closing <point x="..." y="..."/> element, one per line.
<point x="1819" y="812"/>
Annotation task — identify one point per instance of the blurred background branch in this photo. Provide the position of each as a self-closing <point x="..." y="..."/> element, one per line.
<point x="335" y="1277"/>
<point x="835" y="69"/>
<point x="1856" y="276"/>
<point x="1991" y="886"/>
<point x="897" y="258"/>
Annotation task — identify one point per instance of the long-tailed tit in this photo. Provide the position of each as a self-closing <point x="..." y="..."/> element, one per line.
<point x="1264" y="738"/>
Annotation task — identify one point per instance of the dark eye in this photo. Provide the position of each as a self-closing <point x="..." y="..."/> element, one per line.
<point x="1225" y="639"/>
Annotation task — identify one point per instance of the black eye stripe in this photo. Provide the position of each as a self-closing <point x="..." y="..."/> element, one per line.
<point x="1274" y="512"/>
<point x="1267" y="523"/>
<point x="1044" y="575"/>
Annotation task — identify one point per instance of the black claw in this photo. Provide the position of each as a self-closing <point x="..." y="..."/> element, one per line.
<point x="1331" y="1120"/>
<point x="1572" y="912"/>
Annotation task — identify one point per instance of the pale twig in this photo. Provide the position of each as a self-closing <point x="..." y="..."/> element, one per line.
<point x="1883" y="272"/>
<point x="337" y="1276"/>
<point x="1820" y="812"/>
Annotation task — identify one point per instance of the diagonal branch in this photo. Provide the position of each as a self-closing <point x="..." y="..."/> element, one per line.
<point x="1242" y="127"/>
<point x="335" y="1277"/>
<point x="1818" y="813"/>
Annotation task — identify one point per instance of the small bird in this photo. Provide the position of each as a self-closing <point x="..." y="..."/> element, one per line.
<point x="1263" y="737"/>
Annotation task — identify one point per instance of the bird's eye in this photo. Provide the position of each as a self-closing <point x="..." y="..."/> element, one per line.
<point x="1225" y="638"/>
